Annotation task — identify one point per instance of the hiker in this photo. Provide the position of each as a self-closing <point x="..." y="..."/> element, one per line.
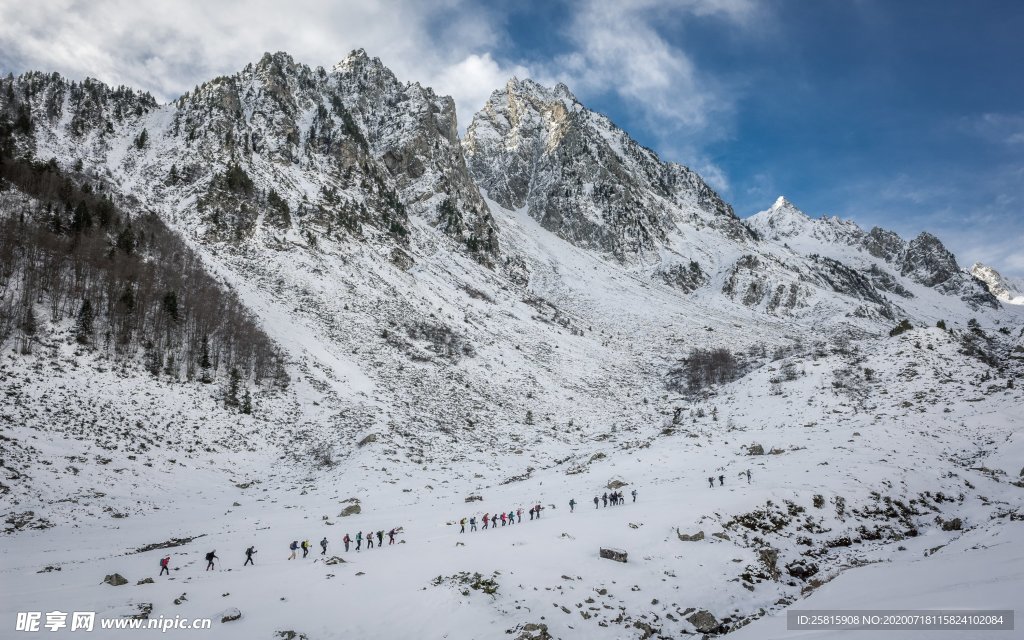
<point x="597" y="502"/>
<point x="391" y="537"/>
<point x="210" y="557"/>
<point x="711" y="482"/>
<point x="163" y="565"/>
<point x="572" y="504"/>
<point x="472" y="523"/>
<point x="346" y="540"/>
<point x="634" y="495"/>
<point x="721" y="481"/>
<point x="248" y="556"/>
<point x="323" y="546"/>
<point x="511" y="516"/>
<point x="294" y="546"/>
<point x="531" y="513"/>
<point x="463" y="524"/>
<point x="380" y="539"/>
<point x="536" y="508"/>
<point x="359" y="540"/>
<point x="748" y="476"/>
<point x="486" y="519"/>
<point x="503" y="518"/>
<point x="305" y="548"/>
<point x="604" y="499"/>
<point x="369" y="540"/>
<point x="519" y="512"/>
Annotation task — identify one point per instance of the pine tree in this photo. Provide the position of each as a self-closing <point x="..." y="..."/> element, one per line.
<point x="231" y="395"/>
<point x="83" y="326"/>
<point x="204" y="361"/>
<point x="247" y="402"/>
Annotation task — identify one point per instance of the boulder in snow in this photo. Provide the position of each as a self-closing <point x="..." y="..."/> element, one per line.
<point x="350" y="510"/>
<point x="229" y="615"/>
<point x="691" y="538"/>
<point x="115" y="580"/>
<point x="617" y="555"/>
<point x="703" y="621"/>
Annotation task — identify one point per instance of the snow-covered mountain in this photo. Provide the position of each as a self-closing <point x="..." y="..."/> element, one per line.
<point x="1009" y="290"/>
<point x="541" y="311"/>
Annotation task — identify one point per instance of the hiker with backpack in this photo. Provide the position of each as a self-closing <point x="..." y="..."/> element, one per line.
<point x="597" y="502"/>
<point x="391" y="537"/>
<point x="210" y="557"/>
<point x="380" y="539"/>
<point x="537" y="509"/>
<point x="346" y="540"/>
<point x="305" y="548"/>
<point x="487" y="517"/>
<point x="294" y="546"/>
<point x="519" y="513"/>
<point x="323" y="546"/>
<point x="634" y="495"/>
<point x="163" y="565"/>
<point x="462" y="523"/>
<point x="472" y="523"/>
<point x="711" y="483"/>
<point x="572" y="506"/>
<point x="359" y="540"/>
<point x="369" y="540"/>
<point x="248" y="556"/>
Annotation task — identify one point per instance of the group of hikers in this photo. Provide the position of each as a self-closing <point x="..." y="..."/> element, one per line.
<point x="512" y="516"/>
<point x="490" y="521"/>
<point x="347" y="541"/>
<point x="615" y="498"/>
<point x="505" y="517"/>
<point x="721" y="479"/>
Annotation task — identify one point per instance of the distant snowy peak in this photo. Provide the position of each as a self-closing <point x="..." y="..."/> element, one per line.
<point x="582" y="177"/>
<point x="783" y="220"/>
<point x="1009" y="290"/>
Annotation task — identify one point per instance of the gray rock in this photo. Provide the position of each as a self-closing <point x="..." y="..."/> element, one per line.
<point x="115" y="580"/>
<point x="368" y="439"/>
<point x="703" y="621"/>
<point x="350" y="510"/>
<point x="691" y="538"/>
<point x="230" y="615"/>
<point x="617" y="555"/>
<point x="144" y="581"/>
<point x="755" y="450"/>
<point x="334" y="560"/>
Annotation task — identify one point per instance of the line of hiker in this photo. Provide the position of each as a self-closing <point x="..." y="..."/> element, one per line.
<point x="347" y="540"/>
<point x="614" y="498"/>
<point x="512" y="516"/>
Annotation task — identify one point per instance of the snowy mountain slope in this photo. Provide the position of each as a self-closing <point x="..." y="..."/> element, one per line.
<point x="1008" y="290"/>
<point x="436" y="356"/>
<point x="898" y="461"/>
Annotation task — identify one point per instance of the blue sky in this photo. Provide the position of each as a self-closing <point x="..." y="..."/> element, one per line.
<point x="909" y="115"/>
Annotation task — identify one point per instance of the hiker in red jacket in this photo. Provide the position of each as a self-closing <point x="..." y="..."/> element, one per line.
<point x="163" y="565"/>
<point x="346" y="540"/>
<point x="487" y="518"/>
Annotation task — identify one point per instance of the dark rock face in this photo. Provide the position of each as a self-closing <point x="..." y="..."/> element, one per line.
<point x="582" y="177"/>
<point x="884" y="244"/>
<point x="928" y="262"/>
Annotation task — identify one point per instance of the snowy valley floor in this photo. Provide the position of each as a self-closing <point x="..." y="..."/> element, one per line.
<point x="913" y="472"/>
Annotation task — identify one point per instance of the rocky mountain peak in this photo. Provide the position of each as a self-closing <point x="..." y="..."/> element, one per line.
<point x="1008" y="290"/>
<point x="582" y="177"/>
<point x="928" y="262"/>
